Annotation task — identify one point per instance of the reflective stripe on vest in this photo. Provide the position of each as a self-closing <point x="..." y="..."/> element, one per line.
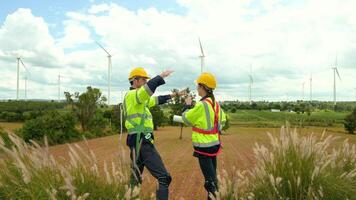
<point x="138" y="115"/>
<point x="133" y="131"/>
<point x="210" y="144"/>
<point x="185" y="120"/>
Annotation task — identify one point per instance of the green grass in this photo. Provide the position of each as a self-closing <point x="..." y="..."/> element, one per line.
<point x="275" y="119"/>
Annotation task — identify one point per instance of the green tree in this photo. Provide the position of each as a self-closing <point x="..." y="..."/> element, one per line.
<point x="69" y="98"/>
<point x="177" y="106"/>
<point x="97" y="123"/>
<point x="158" y="117"/>
<point x="350" y="122"/>
<point x="85" y="106"/>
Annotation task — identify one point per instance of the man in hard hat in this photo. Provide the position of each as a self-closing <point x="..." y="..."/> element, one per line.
<point x="139" y="125"/>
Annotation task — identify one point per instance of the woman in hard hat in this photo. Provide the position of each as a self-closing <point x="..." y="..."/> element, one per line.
<point x="207" y="120"/>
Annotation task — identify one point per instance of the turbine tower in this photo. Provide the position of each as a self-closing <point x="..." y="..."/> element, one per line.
<point x="59" y="87"/>
<point x="109" y="70"/>
<point x="303" y="86"/>
<point x="250" y="86"/>
<point x="310" y="87"/>
<point x="202" y="56"/>
<point x="26" y="87"/>
<point x="19" y="60"/>
<point x="336" y="71"/>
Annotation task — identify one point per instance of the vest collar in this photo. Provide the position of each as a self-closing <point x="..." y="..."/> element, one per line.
<point x="205" y="97"/>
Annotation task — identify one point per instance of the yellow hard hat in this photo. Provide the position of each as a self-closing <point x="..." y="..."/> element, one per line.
<point x="207" y="79"/>
<point x="138" y="72"/>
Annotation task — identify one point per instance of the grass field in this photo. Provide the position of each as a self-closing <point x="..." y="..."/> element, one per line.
<point x="12" y="126"/>
<point x="276" y="119"/>
<point x="177" y="154"/>
<point x="247" y="128"/>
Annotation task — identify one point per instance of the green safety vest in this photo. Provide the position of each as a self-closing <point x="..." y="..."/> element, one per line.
<point x="207" y="122"/>
<point x="137" y="114"/>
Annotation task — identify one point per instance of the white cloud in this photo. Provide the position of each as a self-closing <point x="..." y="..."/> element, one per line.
<point x="284" y="43"/>
<point x="74" y="35"/>
<point x="27" y="35"/>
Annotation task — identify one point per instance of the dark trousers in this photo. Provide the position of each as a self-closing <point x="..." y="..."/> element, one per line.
<point x="150" y="158"/>
<point x="208" y="167"/>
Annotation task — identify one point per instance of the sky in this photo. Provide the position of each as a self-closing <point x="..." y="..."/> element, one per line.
<point x="282" y="44"/>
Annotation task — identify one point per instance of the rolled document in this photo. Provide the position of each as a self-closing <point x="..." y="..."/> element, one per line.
<point x="177" y="118"/>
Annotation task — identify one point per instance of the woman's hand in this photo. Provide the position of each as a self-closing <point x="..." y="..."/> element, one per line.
<point x="188" y="100"/>
<point x="180" y="93"/>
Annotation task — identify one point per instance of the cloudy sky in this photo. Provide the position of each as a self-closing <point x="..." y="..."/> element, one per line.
<point x="283" y="42"/>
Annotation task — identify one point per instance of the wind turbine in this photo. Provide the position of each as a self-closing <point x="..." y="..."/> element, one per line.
<point x="250" y="85"/>
<point x="202" y="56"/>
<point x="26" y="77"/>
<point x="311" y="88"/>
<point x="335" y="72"/>
<point x="109" y="70"/>
<point x="18" y="77"/>
<point x="59" y="86"/>
<point x="26" y="87"/>
<point x="303" y="86"/>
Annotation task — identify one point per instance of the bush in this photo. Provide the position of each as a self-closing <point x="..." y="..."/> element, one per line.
<point x="30" y="172"/>
<point x="32" y="115"/>
<point x="295" y="168"/>
<point x="59" y="128"/>
<point x="97" y="123"/>
<point x="11" y="116"/>
<point x="23" y="106"/>
<point x="350" y="122"/>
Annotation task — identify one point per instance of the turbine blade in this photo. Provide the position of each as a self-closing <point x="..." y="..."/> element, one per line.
<point x="103" y="48"/>
<point x="22" y="63"/>
<point x="201" y="48"/>
<point x="24" y="66"/>
<point x="337" y="72"/>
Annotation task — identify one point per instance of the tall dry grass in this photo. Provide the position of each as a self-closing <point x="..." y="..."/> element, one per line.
<point x="295" y="167"/>
<point x="29" y="171"/>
